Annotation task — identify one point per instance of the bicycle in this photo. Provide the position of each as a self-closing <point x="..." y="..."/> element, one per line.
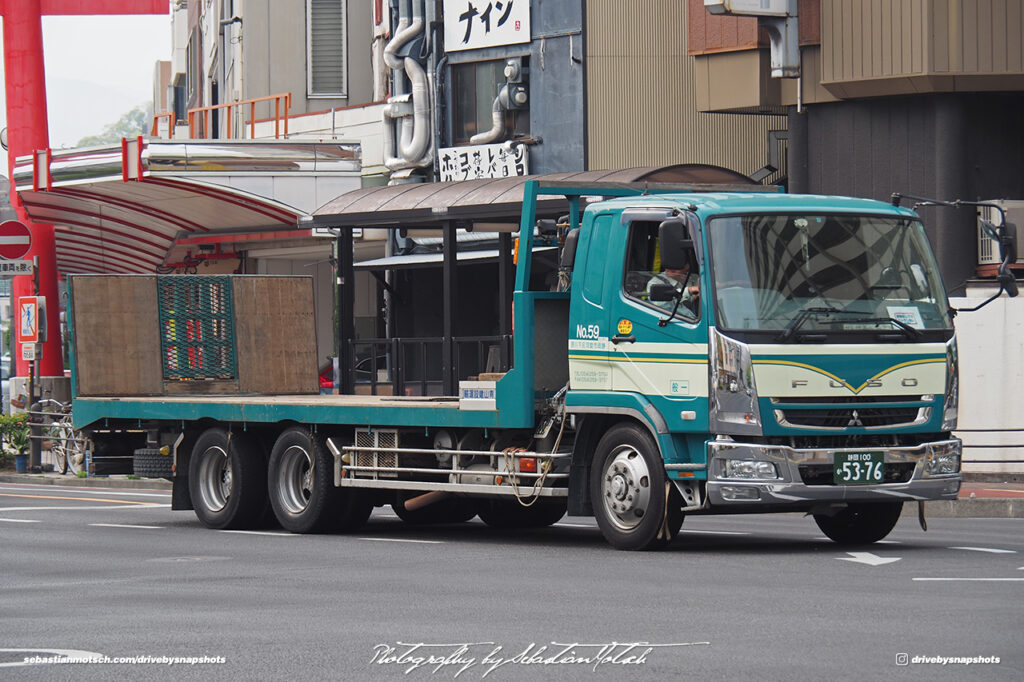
<point x="67" y="447"/>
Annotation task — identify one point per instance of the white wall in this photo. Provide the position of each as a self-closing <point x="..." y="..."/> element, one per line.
<point x="991" y="343"/>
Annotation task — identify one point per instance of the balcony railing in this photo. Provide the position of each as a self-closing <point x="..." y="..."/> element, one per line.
<point x="200" y="119"/>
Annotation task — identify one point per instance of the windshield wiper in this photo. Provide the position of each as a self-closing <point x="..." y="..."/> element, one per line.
<point x="791" y="329"/>
<point x="798" y="321"/>
<point x="911" y="333"/>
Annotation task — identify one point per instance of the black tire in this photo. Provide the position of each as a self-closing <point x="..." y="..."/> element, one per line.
<point x="508" y="513"/>
<point x="300" y="479"/>
<point x="860" y="524"/>
<point x="630" y="491"/>
<point x="449" y="510"/>
<point x="150" y="463"/>
<point x="227" y="479"/>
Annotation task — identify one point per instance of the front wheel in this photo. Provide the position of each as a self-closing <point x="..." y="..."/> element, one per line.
<point x="633" y="501"/>
<point x="860" y="524"/>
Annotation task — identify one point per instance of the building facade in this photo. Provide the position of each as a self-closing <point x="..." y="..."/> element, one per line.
<point x="920" y="97"/>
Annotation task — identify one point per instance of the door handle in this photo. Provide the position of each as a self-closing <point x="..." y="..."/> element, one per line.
<point x="619" y="338"/>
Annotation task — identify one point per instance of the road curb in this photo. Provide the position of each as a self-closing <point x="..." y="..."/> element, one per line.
<point x="970" y="508"/>
<point x="94" y="482"/>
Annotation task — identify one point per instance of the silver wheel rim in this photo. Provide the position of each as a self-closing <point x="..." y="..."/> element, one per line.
<point x="296" y="477"/>
<point x="626" y="488"/>
<point x="215" y="478"/>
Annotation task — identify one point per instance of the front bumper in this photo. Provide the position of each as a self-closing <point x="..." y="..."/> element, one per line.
<point x="801" y="485"/>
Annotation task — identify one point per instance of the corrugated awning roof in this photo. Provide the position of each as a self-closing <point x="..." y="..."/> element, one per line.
<point x="498" y="199"/>
<point x="124" y="208"/>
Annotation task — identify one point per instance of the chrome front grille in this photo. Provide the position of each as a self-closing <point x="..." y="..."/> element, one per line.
<point x="850" y="413"/>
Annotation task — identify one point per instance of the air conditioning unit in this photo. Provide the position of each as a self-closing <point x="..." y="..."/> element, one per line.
<point x="988" y="248"/>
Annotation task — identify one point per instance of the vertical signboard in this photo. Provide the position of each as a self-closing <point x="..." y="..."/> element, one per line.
<point x="472" y="24"/>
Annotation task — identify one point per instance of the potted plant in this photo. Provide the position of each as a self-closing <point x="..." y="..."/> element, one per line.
<point x="14" y="429"/>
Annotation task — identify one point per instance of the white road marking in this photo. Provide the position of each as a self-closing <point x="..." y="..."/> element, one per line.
<point x="714" y="532"/>
<point x="20" y="520"/>
<point x="573" y="525"/>
<point x="986" y="549"/>
<point x="972" y="580"/>
<point x="88" y="491"/>
<point x="261" y="532"/>
<point x="419" y="542"/>
<point x="888" y="542"/>
<point x="122" y="525"/>
<point x="113" y="506"/>
<point x="868" y="558"/>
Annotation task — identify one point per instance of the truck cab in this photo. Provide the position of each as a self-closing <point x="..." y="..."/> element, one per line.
<point x="814" y="370"/>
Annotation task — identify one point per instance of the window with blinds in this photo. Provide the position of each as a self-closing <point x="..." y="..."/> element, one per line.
<point x="325" y="48"/>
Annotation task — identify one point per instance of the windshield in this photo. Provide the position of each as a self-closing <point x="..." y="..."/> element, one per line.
<point x="796" y="275"/>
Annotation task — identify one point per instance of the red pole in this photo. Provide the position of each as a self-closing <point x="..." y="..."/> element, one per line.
<point x="27" y="130"/>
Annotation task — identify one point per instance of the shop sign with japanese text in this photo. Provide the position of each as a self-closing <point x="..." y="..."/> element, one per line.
<point x="472" y="24"/>
<point x="482" y="161"/>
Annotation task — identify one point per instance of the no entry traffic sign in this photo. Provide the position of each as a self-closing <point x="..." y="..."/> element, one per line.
<point x="15" y="240"/>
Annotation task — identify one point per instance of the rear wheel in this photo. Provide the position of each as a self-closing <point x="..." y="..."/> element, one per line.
<point x="860" y="524"/>
<point x="633" y="502"/>
<point x="302" y="491"/>
<point x="227" y="479"/>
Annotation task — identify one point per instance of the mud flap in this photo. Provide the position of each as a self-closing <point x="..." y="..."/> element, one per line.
<point x="663" y="531"/>
<point x="181" y="499"/>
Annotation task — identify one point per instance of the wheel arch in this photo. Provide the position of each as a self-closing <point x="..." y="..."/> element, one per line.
<point x="594" y="423"/>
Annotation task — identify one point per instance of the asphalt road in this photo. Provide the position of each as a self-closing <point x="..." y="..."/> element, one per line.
<point x="116" y="573"/>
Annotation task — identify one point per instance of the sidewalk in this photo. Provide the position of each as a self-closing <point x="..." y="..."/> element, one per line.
<point x="981" y="496"/>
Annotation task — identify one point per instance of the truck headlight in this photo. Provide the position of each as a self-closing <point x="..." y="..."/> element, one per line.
<point x="943" y="463"/>
<point x="733" y="395"/>
<point x="752" y="469"/>
<point x="951" y="401"/>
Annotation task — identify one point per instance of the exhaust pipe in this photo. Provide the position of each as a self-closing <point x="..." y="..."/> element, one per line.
<point x="426" y="499"/>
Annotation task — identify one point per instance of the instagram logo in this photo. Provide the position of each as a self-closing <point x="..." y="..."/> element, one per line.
<point x="902" y="659"/>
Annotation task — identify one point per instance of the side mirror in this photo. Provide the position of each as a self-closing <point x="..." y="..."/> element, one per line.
<point x="1008" y="252"/>
<point x="547" y="227"/>
<point x="676" y="245"/>
<point x="662" y="292"/>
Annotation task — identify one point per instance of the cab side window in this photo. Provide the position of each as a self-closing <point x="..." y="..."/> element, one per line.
<point x="642" y="261"/>
<point x="651" y="282"/>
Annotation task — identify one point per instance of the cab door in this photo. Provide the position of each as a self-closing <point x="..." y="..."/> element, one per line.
<point x="654" y="352"/>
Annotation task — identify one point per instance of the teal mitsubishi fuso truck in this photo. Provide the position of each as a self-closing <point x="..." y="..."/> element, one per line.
<point x="702" y="352"/>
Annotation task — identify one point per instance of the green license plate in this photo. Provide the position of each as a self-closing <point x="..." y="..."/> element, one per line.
<point x="858" y="468"/>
